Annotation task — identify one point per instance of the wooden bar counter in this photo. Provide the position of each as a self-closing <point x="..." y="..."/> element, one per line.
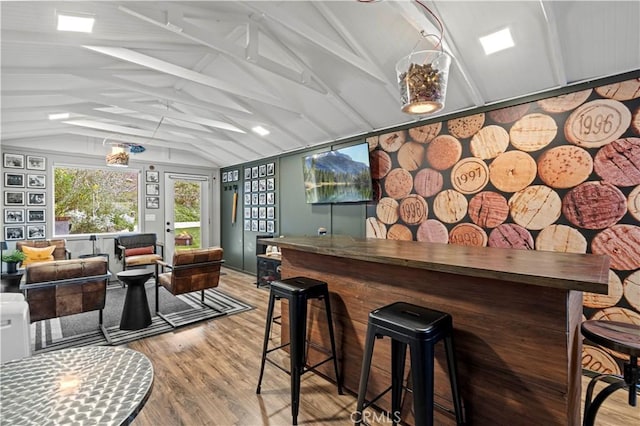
<point x="516" y="316"/>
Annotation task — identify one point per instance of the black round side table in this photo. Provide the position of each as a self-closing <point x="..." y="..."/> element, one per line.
<point x="11" y="281"/>
<point x="135" y="313"/>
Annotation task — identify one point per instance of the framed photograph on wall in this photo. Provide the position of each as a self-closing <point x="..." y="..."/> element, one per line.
<point x="247" y="225"/>
<point x="263" y="170"/>
<point x="152" y="176"/>
<point x="36" y="199"/>
<point x="36" y="215"/>
<point x="153" y="202"/>
<point x="247" y="186"/>
<point x="271" y="226"/>
<point x="254" y="225"/>
<point x="247" y="212"/>
<point x="224" y="177"/>
<point x="13" y="233"/>
<point x="36" y="181"/>
<point x="13" y="215"/>
<point x="247" y="173"/>
<point x="254" y="212"/>
<point x="153" y="189"/>
<point x="14" y="198"/>
<point x="14" y="161"/>
<point x="271" y="197"/>
<point x="254" y="174"/>
<point x="271" y="184"/>
<point x="236" y="175"/>
<point x="36" y="232"/>
<point x="254" y="186"/>
<point x="254" y="199"/>
<point x="36" y="163"/>
<point x="271" y="212"/>
<point x="262" y="226"/>
<point x="262" y="185"/>
<point x="14" y="180"/>
<point x="262" y="198"/>
<point x="262" y="213"/>
<point x="247" y="199"/>
<point x="271" y="169"/>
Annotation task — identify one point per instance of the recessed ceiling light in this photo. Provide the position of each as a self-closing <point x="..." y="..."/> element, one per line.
<point x="59" y="116"/>
<point x="497" y="41"/>
<point x="82" y="23"/>
<point x="260" y="130"/>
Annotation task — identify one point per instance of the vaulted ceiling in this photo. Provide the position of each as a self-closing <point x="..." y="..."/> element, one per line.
<point x="189" y="80"/>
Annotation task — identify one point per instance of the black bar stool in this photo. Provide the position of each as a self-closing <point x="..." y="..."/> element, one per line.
<point x="298" y="291"/>
<point x="419" y="328"/>
<point x="621" y="337"/>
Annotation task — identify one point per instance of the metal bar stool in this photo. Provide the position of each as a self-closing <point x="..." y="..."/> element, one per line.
<point x="298" y="291"/>
<point x="420" y="329"/>
<point x="621" y="337"/>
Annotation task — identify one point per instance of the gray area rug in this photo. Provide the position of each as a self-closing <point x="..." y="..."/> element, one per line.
<point x="82" y="329"/>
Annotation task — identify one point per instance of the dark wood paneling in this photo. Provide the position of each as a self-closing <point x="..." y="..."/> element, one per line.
<point x="517" y="346"/>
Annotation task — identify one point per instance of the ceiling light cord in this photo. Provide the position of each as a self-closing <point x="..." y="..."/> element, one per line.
<point x="423" y="32"/>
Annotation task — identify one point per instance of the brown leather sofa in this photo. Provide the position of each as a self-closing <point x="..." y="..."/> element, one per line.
<point x="66" y="287"/>
<point x="191" y="270"/>
<point x="59" y="253"/>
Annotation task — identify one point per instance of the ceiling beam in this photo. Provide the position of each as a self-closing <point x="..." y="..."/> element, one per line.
<point x="176" y="23"/>
<point x="296" y="26"/>
<point x="184" y="73"/>
<point x="332" y="94"/>
<point x="78" y="39"/>
<point x="553" y="44"/>
<point x="193" y="150"/>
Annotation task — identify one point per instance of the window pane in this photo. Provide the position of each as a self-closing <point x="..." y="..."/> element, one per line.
<point x="90" y="201"/>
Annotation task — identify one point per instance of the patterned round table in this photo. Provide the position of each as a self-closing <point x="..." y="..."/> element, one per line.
<point x="89" y="385"/>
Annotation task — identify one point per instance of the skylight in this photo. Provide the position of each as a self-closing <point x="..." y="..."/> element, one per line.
<point x="75" y="22"/>
<point x="260" y="130"/>
<point x="497" y="41"/>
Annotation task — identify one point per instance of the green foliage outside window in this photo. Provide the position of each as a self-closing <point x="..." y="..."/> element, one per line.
<point x="95" y="200"/>
<point x="187" y="201"/>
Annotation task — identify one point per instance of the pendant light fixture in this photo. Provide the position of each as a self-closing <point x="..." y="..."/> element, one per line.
<point x="119" y="156"/>
<point x="422" y="75"/>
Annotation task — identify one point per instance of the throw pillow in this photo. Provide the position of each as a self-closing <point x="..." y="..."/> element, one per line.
<point x="138" y="251"/>
<point x="35" y="255"/>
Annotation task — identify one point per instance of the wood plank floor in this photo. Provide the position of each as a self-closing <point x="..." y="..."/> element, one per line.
<point x="206" y="374"/>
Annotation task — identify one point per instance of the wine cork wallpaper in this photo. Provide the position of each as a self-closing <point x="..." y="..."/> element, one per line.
<point x="559" y="174"/>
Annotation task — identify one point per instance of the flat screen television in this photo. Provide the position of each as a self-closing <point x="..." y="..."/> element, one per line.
<point x="339" y="176"/>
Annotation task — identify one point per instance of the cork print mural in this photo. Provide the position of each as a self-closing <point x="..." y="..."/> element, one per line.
<point x="560" y="174"/>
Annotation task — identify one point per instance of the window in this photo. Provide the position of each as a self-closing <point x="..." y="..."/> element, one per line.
<point x="91" y="201"/>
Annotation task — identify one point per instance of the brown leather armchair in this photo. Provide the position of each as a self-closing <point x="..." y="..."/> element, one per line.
<point x="138" y="250"/>
<point x="191" y="270"/>
<point x="67" y="287"/>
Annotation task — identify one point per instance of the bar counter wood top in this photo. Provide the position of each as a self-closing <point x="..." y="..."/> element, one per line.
<point x="516" y="316"/>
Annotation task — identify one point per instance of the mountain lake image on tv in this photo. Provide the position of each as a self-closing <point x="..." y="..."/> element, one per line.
<point x="339" y="176"/>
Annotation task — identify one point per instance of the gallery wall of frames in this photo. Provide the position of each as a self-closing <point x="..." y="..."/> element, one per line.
<point x="258" y="195"/>
<point x="24" y="196"/>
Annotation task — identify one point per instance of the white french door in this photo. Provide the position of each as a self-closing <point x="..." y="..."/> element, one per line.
<point x="186" y="212"/>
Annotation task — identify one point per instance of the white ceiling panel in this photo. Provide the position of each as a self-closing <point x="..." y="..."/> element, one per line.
<point x="190" y="79"/>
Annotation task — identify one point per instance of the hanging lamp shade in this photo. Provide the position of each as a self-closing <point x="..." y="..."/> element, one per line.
<point x="119" y="157"/>
<point x="422" y="78"/>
